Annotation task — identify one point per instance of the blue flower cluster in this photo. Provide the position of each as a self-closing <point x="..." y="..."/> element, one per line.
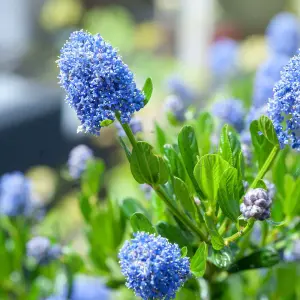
<point x="97" y="82"/>
<point x="266" y="76"/>
<point x="283" y="34"/>
<point x="284" y="107"/>
<point x="42" y="251"/>
<point x="15" y="195"/>
<point x="230" y="111"/>
<point x="223" y="58"/>
<point x="78" y="158"/>
<point x="84" y="288"/>
<point x="153" y="267"/>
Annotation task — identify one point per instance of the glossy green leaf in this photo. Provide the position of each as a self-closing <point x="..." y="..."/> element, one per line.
<point x="228" y="194"/>
<point x="266" y="127"/>
<point x="129" y="206"/>
<point x="92" y="177"/>
<point x="139" y="222"/>
<point x="198" y="262"/>
<point x="174" y="161"/>
<point x="264" y="258"/>
<point x="161" y="138"/>
<point x="216" y="240"/>
<point x="147" y="90"/>
<point x="208" y="173"/>
<point x="183" y="196"/>
<point x="184" y="251"/>
<point x="146" y="167"/>
<point x="204" y="129"/>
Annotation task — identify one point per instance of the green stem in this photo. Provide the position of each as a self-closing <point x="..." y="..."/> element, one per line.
<point x="224" y="226"/>
<point x="241" y="232"/>
<point x="265" y="167"/>
<point x="127" y="130"/>
<point x="186" y="221"/>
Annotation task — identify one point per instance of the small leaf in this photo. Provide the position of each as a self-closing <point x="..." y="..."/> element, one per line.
<point x="174" y="161"/>
<point x="85" y="207"/>
<point x="208" y="173"/>
<point x="228" y="194"/>
<point x="129" y="206"/>
<point x="106" y="123"/>
<point x="264" y="258"/>
<point x="265" y="126"/>
<point x="146" y="167"/>
<point x="184" y="251"/>
<point x="216" y="240"/>
<point x="147" y="90"/>
<point x="183" y="196"/>
<point x="160" y="138"/>
<point x="91" y="177"/>
<point x="139" y="222"/>
<point x="198" y="262"/>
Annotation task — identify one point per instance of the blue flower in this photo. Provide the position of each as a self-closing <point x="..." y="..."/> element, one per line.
<point x="78" y="158"/>
<point x="266" y="76"/>
<point x="175" y="108"/>
<point x="283" y="34"/>
<point x="178" y="87"/>
<point x="223" y="58"/>
<point x="230" y="111"/>
<point x="135" y="126"/>
<point x="42" y="251"/>
<point x="97" y="82"/>
<point x="153" y="267"/>
<point x="84" y="288"/>
<point x="15" y="195"/>
<point x="284" y="107"/>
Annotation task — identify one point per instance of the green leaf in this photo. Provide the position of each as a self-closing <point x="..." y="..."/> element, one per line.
<point x="184" y="251"/>
<point x="146" y="167"/>
<point x="74" y="262"/>
<point x="174" y="161"/>
<point x="279" y="170"/>
<point x="264" y="258"/>
<point x="183" y="196"/>
<point x="265" y="126"/>
<point x="172" y="233"/>
<point x="91" y="178"/>
<point x="160" y="138"/>
<point x="147" y="90"/>
<point x="223" y="258"/>
<point x="204" y="128"/>
<point x="208" y="173"/>
<point x="139" y="222"/>
<point x="198" y="262"/>
<point x="291" y="201"/>
<point x="261" y="184"/>
<point x="106" y="123"/>
<point x="228" y="194"/>
<point x="216" y="240"/>
<point x="85" y="207"/>
<point x="129" y="206"/>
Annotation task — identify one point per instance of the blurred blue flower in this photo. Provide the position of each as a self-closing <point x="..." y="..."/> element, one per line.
<point x="147" y="190"/>
<point x="179" y="88"/>
<point x="15" y="195"/>
<point x="84" y="288"/>
<point x="78" y="158"/>
<point x="230" y="111"/>
<point x="223" y="58"/>
<point x="175" y="108"/>
<point x="153" y="267"/>
<point x="284" y="107"/>
<point x="135" y="126"/>
<point x="42" y="251"/>
<point x="283" y="34"/>
<point x="97" y="82"/>
<point x="266" y="76"/>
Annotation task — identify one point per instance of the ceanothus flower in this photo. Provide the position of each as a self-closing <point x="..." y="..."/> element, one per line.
<point x="84" y="288"/>
<point x="135" y="125"/>
<point x="78" y="158"/>
<point x="283" y="34"/>
<point x="256" y="204"/>
<point x="97" y="82"/>
<point x="15" y="195"/>
<point x="175" y="108"/>
<point x="153" y="267"/>
<point x="266" y="76"/>
<point x="230" y="111"/>
<point x="284" y="107"/>
<point x="223" y="58"/>
<point x="42" y="251"/>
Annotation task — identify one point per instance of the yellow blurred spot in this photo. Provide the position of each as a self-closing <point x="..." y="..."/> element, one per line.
<point x="147" y="36"/>
<point x="57" y="14"/>
<point x="253" y="52"/>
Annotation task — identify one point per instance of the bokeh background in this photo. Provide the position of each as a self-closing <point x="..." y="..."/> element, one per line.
<point x="162" y="39"/>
